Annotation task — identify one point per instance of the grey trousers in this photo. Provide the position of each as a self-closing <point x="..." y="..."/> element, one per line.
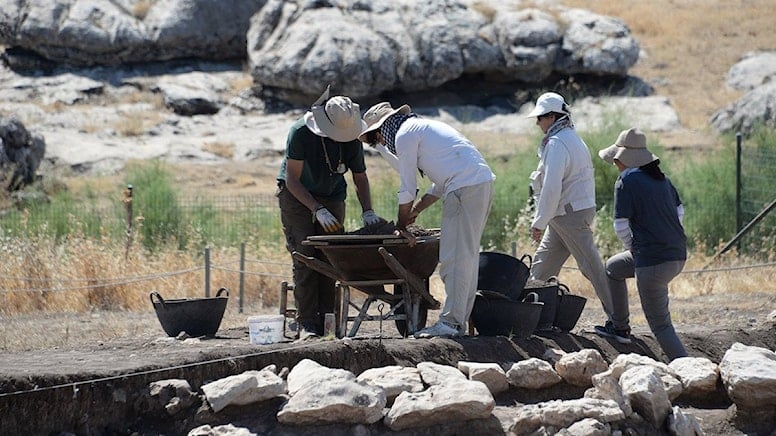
<point x="313" y="291"/>
<point x="464" y="214"/>
<point x="571" y="234"/>
<point x="652" y="283"/>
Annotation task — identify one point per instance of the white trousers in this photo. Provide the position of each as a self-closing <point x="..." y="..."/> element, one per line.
<point x="571" y="234"/>
<point x="464" y="214"/>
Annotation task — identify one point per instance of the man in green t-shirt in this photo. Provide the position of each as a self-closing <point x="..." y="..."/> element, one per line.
<point x="321" y="147"/>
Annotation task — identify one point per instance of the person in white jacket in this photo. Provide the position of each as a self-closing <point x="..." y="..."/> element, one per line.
<point x="564" y="195"/>
<point x="460" y="176"/>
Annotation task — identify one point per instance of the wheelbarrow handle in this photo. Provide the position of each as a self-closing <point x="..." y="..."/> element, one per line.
<point x="158" y="297"/>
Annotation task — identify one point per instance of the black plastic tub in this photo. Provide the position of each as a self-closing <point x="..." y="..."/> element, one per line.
<point x="195" y="316"/>
<point x="548" y="293"/>
<point x="569" y="310"/>
<point x="494" y="314"/>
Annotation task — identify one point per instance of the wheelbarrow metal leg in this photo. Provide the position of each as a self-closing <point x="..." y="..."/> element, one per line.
<point x="412" y="280"/>
<point x="415" y="313"/>
<point x="341" y="307"/>
<point x="362" y="315"/>
<point x="410" y="310"/>
<point x="285" y="288"/>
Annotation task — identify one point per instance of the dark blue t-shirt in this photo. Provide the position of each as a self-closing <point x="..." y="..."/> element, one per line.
<point x="650" y="205"/>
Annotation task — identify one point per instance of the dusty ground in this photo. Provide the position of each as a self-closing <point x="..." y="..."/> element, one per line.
<point x="688" y="46"/>
<point x="713" y="323"/>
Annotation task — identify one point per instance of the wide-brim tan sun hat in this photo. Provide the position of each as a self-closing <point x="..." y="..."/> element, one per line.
<point x="630" y="149"/>
<point x="377" y="114"/>
<point x="548" y="102"/>
<point x="338" y="118"/>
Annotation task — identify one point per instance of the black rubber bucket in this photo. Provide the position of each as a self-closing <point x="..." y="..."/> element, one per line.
<point x="195" y="316"/>
<point x="502" y="273"/>
<point x="548" y="293"/>
<point x="570" y="308"/>
<point x="494" y="314"/>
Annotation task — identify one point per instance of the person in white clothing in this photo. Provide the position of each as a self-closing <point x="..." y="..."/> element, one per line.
<point x="460" y="176"/>
<point x="564" y="195"/>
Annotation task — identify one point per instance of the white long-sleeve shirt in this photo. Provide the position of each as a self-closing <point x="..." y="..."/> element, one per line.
<point x="445" y="156"/>
<point x="564" y="176"/>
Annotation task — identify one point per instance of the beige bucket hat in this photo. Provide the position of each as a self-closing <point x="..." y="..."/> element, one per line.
<point x="337" y="118"/>
<point x="630" y="149"/>
<point x="377" y="114"/>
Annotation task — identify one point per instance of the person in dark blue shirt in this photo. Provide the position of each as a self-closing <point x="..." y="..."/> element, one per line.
<point x="648" y="220"/>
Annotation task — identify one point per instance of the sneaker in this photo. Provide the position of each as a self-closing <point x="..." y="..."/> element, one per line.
<point x="439" y="329"/>
<point x="608" y="331"/>
<point x="307" y="332"/>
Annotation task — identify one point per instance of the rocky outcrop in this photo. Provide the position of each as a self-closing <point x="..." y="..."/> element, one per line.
<point x="105" y="117"/>
<point x="299" y="46"/>
<point x="630" y="395"/>
<point x="367" y="48"/>
<point x="749" y="376"/>
<point x="102" y="32"/>
<point x="756" y="107"/>
<point x="755" y="74"/>
<point x="20" y="154"/>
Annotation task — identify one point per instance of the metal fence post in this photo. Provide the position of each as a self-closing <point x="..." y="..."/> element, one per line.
<point x="739" y="218"/>
<point x="128" y="231"/>
<point x="207" y="272"/>
<point x="242" y="274"/>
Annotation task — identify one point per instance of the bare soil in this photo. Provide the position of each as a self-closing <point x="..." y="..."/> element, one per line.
<point x="77" y="375"/>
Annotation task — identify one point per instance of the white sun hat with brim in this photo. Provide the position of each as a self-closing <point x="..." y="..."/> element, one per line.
<point x="337" y="118"/>
<point x="630" y="149"/>
<point x="377" y="114"/>
<point x="548" y="102"/>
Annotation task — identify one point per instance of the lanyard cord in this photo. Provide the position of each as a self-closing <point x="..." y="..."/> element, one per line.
<point x="328" y="161"/>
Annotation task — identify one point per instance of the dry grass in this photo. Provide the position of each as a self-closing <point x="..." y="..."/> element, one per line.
<point x="221" y="149"/>
<point x="689" y="46"/>
<point x="240" y="83"/>
<point x="82" y="275"/>
<point x="137" y="122"/>
<point x="141" y="8"/>
<point x="87" y="291"/>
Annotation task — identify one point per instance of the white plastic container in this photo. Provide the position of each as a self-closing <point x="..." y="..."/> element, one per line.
<point x="265" y="329"/>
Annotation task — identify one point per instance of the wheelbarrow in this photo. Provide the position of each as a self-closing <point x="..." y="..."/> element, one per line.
<point x="369" y="263"/>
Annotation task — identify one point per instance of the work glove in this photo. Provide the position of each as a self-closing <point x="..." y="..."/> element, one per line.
<point x="370" y="217"/>
<point x="327" y="220"/>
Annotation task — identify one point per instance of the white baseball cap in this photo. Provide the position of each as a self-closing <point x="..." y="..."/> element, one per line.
<point x="548" y="102"/>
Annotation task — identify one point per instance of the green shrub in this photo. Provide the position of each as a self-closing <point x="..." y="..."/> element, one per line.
<point x="155" y="203"/>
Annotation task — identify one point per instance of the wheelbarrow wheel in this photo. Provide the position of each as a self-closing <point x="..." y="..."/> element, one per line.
<point x="401" y="325"/>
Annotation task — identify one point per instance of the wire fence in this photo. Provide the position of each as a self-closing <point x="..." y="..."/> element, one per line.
<point x="229" y="220"/>
<point x="76" y="284"/>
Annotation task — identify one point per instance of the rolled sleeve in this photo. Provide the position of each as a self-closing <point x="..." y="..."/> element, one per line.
<point x="406" y="197"/>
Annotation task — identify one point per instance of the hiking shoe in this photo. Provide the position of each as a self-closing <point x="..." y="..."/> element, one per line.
<point x="307" y="332"/>
<point x="608" y="331"/>
<point x="439" y="329"/>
